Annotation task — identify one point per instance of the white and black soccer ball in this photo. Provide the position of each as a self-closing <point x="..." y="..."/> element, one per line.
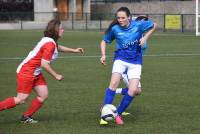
<point x="108" y="112"/>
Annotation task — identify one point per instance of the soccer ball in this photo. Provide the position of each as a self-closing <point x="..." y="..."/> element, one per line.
<point x="108" y="112"/>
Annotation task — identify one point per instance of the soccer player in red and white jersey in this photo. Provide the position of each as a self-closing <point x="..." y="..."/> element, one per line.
<point x="29" y="75"/>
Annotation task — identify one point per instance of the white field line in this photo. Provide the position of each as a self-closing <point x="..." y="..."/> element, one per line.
<point x="168" y="34"/>
<point x="98" y="56"/>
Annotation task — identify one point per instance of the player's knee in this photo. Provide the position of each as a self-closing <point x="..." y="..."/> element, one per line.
<point x="113" y="85"/>
<point x="20" y="100"/>
<point x="134" y="92"/>
<point x="43" y="97"/>
<point x="138" y="92"/>
<point x="131" y="92"/>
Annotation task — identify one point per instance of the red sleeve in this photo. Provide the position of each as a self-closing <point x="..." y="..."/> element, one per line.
<point x="48" y="51"/>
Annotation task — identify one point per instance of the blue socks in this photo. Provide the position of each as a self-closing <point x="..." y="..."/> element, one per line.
<point x="127" y="99"/>
<point x="124" y="91"/>
<point x="109" y="96"/>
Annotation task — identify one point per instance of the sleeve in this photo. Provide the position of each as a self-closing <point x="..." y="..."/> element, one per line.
<point x="146" y="25"/>
<point x="48" y="51"/>
<point x="109" y="36"/>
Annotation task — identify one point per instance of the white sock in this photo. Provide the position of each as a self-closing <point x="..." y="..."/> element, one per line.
<point x="118" y="91"/>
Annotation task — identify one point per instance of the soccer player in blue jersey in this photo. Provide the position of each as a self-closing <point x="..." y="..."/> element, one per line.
<point x="123" y="91"/>
<point x="130" y="35"/>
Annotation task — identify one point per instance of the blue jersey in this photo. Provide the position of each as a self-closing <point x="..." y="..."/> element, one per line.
<point x="127" y="40"/>
<point x="143" y="49"/>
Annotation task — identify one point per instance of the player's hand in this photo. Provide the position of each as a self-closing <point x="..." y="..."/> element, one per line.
<point x="79" y="50"/>
<point x="103" y="60"/>
<point x="59" y="77"/>
<point x="142" y="41"/>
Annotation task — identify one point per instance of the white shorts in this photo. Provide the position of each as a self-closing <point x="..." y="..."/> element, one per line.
<point x="133" y="70"/>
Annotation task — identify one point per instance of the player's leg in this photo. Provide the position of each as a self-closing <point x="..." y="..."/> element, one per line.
<point x="7" y="103"/>
<point x="41" y="90"/>
<point x="125" y="80"/>
<point x="123" y="91"/>
<point x="13" y="101"/>
<point x="42" y="95"/>
<point x="118" y="69"/>
<point x="110" y="91"/>
<point x="134" y="72"/>
<point x="24" y="87"/>
<point x="139" y="89"/>
<point x="127" y="99"/>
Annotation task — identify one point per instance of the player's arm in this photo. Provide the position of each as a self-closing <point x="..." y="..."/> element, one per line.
<point x="46" y="65"/>
<point x="68" y="50"/>
<point x="103" y="52"/>
<point x="107" y="39"/>
<point x="148" y="34"/>
<point x="48" y="50"/>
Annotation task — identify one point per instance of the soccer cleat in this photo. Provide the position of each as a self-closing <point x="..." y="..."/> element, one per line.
<point x="118" y="120"/>
<point x="27" y="119"/>
<point x="103" y="122"/>
<point x="126" y="113"/>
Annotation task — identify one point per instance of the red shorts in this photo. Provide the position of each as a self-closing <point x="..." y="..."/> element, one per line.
<point x="25" y="83"/>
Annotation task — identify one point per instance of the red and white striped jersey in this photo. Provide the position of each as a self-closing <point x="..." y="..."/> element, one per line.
<point x="45" y="50"/>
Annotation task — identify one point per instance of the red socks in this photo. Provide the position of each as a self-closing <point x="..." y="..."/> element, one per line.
<point x="10" y="103"/>
<point x="7" y="103"/>
<point x="35" y="105"/>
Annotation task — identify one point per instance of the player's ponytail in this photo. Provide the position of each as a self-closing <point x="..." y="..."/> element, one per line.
<point x="139" y="18"/>
<point x="52" y="29"/>
<point x="114" y="22"/>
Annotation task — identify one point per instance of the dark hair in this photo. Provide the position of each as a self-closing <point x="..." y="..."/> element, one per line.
<point x="52" y="29"/>
<point x="139" y="18"/>
<point x="114" y="22"/>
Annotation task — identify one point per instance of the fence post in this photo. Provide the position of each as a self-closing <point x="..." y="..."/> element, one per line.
<point x="182" y="27"/>
<point x="100" y="21"/>
<point x="86" y="22"/>
<point x="21" y="24"/>
<point x="164" y="23"/>
<point x="72" y="21"/>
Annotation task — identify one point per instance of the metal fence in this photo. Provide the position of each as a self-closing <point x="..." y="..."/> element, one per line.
<point x="128" y="1"/>
<point x="86" y="21"/>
